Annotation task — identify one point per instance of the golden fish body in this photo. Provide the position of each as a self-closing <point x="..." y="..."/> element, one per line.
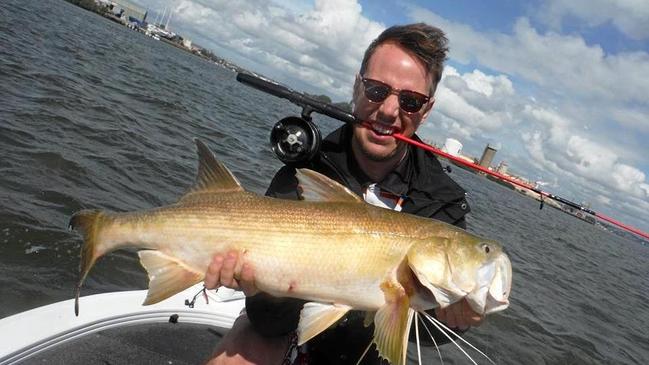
<point x="331" y="249"/>
<point x="315" y="251"/>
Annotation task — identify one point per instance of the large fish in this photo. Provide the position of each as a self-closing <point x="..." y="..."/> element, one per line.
<point x="331" y="248"/>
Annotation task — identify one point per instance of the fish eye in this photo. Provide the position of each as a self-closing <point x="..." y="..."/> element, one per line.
<point x="486" y="248"/>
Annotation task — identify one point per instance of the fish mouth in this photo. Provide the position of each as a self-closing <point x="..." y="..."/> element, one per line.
<point x="381" y="129"/>
<point x="501" y="286"/>
<point x="493" y="295"/>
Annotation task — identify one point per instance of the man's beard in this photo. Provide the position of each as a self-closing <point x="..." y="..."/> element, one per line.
<point x="376" y="157"/>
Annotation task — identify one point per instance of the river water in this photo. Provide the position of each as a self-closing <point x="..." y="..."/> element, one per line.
<point x="93" y="115"/>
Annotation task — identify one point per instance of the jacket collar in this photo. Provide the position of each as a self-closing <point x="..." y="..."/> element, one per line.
<point x="419" y="176"/>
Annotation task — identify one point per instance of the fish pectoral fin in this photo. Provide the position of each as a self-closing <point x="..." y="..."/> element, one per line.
<point x="316" y="317"/>
<point x="167" y="275"/>
<point x="392" y="324"/>
<point x="316" y="187"/>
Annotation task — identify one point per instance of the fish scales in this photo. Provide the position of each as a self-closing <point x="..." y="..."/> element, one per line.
<point x="321" y="244"/>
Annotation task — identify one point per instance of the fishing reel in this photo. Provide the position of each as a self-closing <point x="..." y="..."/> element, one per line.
<point x="295" y="140"/>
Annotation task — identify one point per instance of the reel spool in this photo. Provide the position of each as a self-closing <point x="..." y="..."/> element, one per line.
<point x="295" y="140"/>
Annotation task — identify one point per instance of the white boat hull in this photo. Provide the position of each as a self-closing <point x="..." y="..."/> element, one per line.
<point x="31" y="332"/>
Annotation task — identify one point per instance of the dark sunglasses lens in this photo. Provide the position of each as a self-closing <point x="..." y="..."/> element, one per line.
<point x="411" y="102"/>
<point x="376" y="92"/>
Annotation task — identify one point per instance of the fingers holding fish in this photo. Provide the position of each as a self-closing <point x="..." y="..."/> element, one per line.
<point x="459" y="315"/>
<point x="472" y="318"/>
<point x="228" y="272"/>
<point x="213" y="275"/>
<point x="222" y="271"/>
<point x="247" y="281"/>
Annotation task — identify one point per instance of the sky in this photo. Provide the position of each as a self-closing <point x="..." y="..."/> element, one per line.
<point x="560" y="87"/>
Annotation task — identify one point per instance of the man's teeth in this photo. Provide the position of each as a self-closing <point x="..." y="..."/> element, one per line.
<point x="382" y="129"/>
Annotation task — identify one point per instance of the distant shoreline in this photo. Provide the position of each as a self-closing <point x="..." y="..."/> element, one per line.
<point x="94" y="7"/>
<point x="177" y="42"/>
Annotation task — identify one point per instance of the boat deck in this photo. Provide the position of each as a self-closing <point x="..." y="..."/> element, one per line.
<point x="151" y="343"/>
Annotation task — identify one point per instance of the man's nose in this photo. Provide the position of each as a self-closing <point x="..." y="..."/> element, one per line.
<point x="390" y="106"/>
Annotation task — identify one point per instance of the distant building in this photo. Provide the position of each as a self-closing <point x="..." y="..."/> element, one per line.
<point x="127" y="10"/>
<point x="502" y="168"/>
<point x="452" y="146"/>
<point x="487" y="156"/>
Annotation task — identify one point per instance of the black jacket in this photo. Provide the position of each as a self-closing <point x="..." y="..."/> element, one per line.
<point x="427" y="192"/>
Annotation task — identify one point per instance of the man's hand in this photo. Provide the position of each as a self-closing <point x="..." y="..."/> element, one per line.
<point x="223" y="271"/>
<point x="459" y="315"/>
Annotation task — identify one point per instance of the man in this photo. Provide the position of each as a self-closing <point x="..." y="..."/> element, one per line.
<point x="394" y="91"/>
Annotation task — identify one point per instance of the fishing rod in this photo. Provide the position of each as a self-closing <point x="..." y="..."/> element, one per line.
<point x="541" y="193"/>
<point x="296" y="140"/>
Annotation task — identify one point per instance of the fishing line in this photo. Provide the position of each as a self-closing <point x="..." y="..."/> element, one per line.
<point x="364" y="353"/>
<point x="193" y="301"/>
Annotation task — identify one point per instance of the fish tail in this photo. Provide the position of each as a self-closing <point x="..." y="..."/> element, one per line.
<point x="89" y="223"/>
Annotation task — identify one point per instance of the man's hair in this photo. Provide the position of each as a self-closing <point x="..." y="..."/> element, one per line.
<point x="426" y="42"/>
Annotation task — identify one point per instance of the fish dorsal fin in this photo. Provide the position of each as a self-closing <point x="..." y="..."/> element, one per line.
<point x="314" y="186"/>
<point x="392" y="324"/>
<point x="213" y="176"/>
<point x="317" y="317"/>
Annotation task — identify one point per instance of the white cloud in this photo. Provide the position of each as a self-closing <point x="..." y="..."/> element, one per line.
<point x="534" y="143"/>
<point x="630" y="179"/>
<point x="605" y="200"/>
<point x="630" y="117"/>
<point x="487" y="85"/>
<point x="473" y="103"/>
<point x="565" y="65"/>
<point x="321" y="46"/>
<point x="587" y="157"/>
<point x="559" y="150"/>
<point x="631" y="17"/>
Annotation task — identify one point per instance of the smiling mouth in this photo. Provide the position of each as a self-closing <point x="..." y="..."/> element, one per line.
<point x="381" y="129"/>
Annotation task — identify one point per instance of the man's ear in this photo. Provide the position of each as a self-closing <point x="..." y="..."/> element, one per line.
<point x="358" y="88"/>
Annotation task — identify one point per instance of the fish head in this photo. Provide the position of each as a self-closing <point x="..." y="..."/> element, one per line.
<point x="461" y="266"/>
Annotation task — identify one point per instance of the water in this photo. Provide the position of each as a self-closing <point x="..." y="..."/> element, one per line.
<point x="93" y="115"/>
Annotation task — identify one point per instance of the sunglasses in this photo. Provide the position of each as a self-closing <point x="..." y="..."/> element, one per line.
<point x="409" y="101"/>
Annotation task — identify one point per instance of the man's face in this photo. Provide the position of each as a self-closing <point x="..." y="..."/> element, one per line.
<point x="391" y="65"/>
